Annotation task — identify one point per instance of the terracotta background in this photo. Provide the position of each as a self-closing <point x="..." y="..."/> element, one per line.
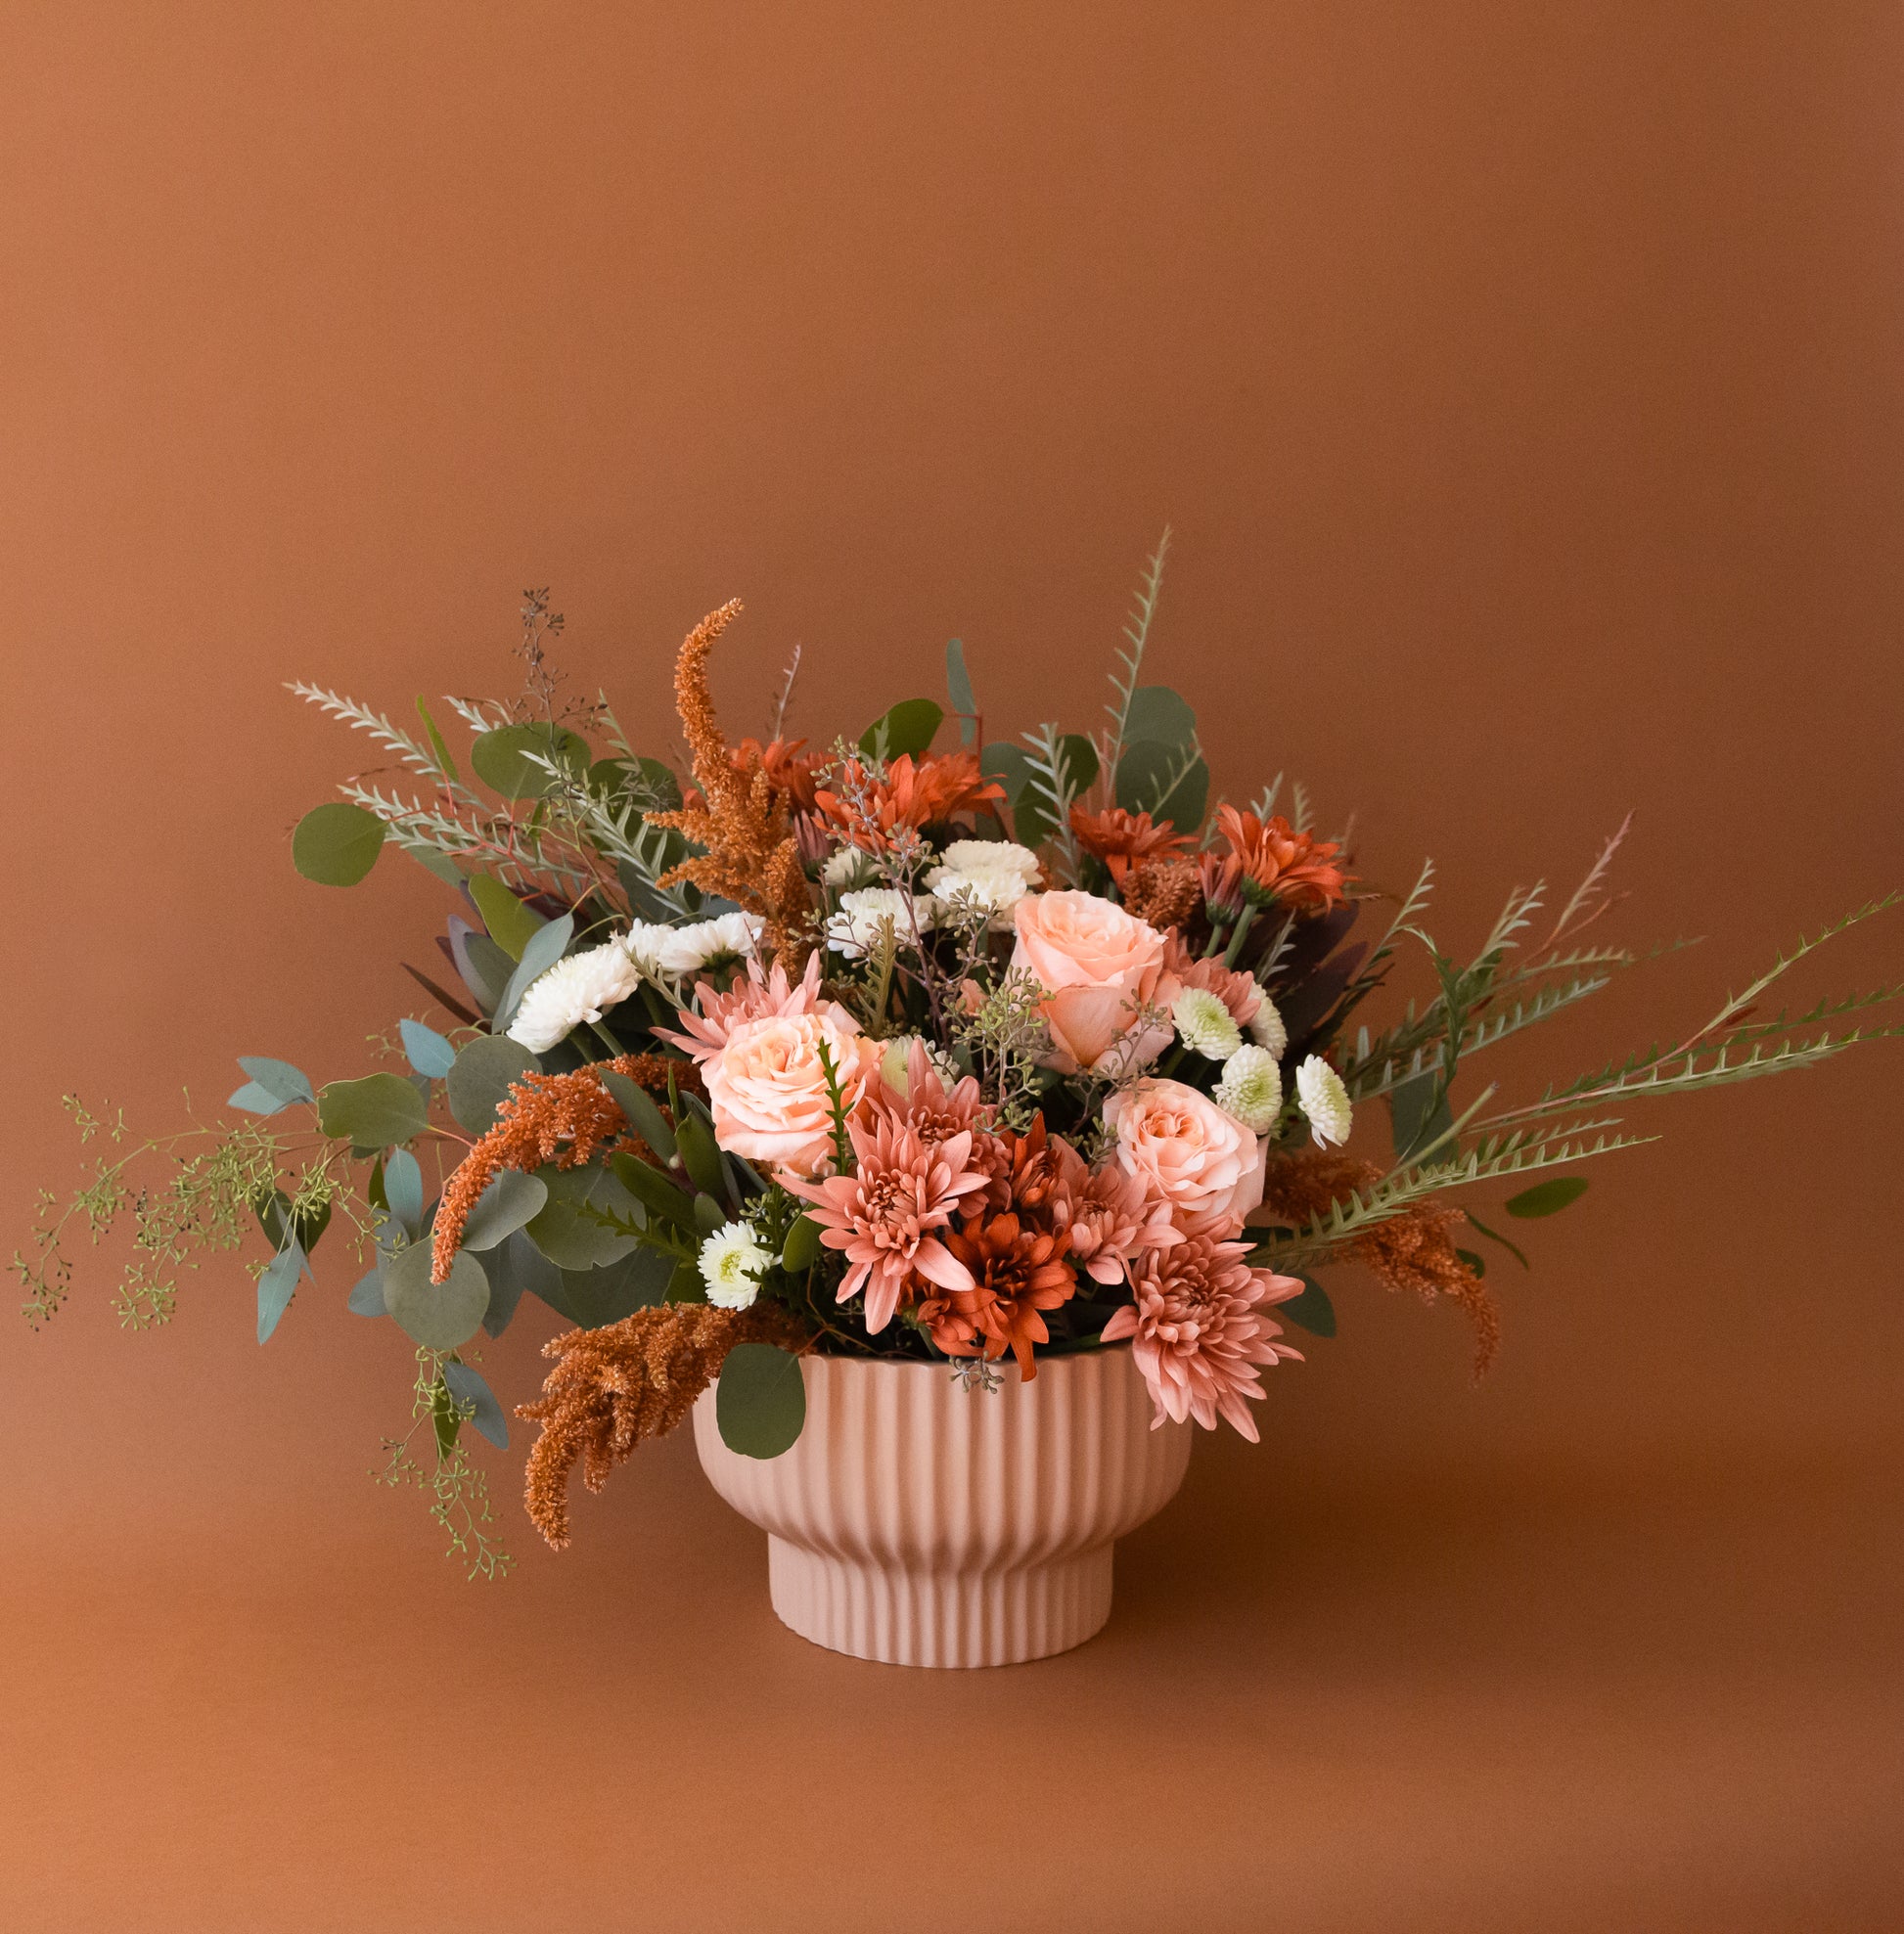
<point x="1524" y="387"/>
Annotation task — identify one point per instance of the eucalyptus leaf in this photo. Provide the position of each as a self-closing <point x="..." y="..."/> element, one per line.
<point x="1311" y="1310"/>
<point x="644" y="1114"/>
<point x="336" y="844"/>
<point x="511" y="1199"/>
<point x="404" y="1191"/>
<point x="511" y="924"/>
<point x="909" y="726"/>
<point x="428" y="1051"/>
<point x="279" y="1078"/>
<point x="546" y="946"/>
<point x="254" y="1100"/>
<point x="568" y="1236"/>
<point x="367" y="1298"/>
<point x="472" y="1393"/>
<point x="280" y="1225"/>
<point x="441" y="1315"/>
<point x="480" y="1080"/>
<point x="506" y="760"/>
<point x="372" y="1113"/>
<point x="513" y="1266"/>
<point x="1547" y="1197"/>
<point x="595" y="1297"/>
<point x="433" y="860"/>
<point x="761" y="1400"/>
<point x="1144" y="784"/>
<point x="275" y="1287"/>
<point x="1158" y="713"/>
<point x="485" y="967"/>
<point x="958" y="688"/>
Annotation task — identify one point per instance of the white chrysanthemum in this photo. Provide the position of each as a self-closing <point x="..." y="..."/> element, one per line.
<point x="848" y="867"/>
<point x="1250" y="1089"/>
<point x="1324" y="1099"/>
<point x="854" y="929"/>
<point x="1205" y="1024"/>
<point x="991" y="876"/>
<point x="732" y="1263"/>
<point x="665" y="953"/>
<point x="581" y="988"/>
<point x="1266" y="1028"/>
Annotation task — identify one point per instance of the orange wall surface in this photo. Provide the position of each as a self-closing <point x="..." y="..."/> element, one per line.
<point x="1524" y="387"/>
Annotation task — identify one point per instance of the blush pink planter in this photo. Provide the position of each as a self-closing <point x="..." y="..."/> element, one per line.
<point x="917" y="1522"/>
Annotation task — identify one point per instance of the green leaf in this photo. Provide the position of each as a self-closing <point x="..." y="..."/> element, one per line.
<point x="502" y="762"/>
<point x="441" y="1315"/>
<point x="336" y="844"/>
<point x="372" y="1113"/>
<point x="654" y="1190"/>
<point x="958" y="688"/>
<point x="700" y="1154"/>
<point x="1160" y="714"/>
<point x="511" y="925"/>
<point x="1145" y="776"/>
<point x="1474" y="1260"/>
<point x="280" y="1227"/>
<point x="437" y="744"/>
<point x="1418" y="1113"/>
<point x="909" y="726"/>
<point x="1012" y="767"/>
<point x="1547" y="1197"/>
<point x="591" y="1298"/>
<point x="275" y="1287"/>
<point x="658" y="787"/>
<point x="429" y="1052"/>
<point x="472" y="1393"/>
<point x="709" y="1215"/>
<point x="489" y="968"/>
<point x="479" y="1081"/>
<point x="279" y="1079"/>
<point x="761" y="1400"/>
<point x="367" y="1298"/>
<point x="802" y="1249"/>
<point x="571" y="1239"/>
<point x="1494" y="1236"/>
<point x="444" y="1416"/>
<point x="511" y="1200"/>
<point x="1311" y="1310"/>
<point x="644" y="1114"/>
<point x="404" y="1191"/>
<point x="433" y="860"/>
<point x="514" y="1265"/>
<point x="546" y="946"/>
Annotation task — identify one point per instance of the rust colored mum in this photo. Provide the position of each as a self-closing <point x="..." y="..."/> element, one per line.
<point x="870" y="811"/>
<point x="1118" y="838"/>
<point x="567" y="1119"/>
<point x="1413" y="1250"/>
<point x="1017" y="1273"/>
<point x="613" y="1387"/>
<point x="1164" y="892"/>
<point x="790" y="768"/>
<point x="742" y="817"/>
<point x="1272" y="856"/>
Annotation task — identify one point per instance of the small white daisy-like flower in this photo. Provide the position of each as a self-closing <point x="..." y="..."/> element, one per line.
<point x="732" y="1263"/>
<point x="854" y="931"/>
<point x="848" y="867"/>
<point x="1251" y="1089"/>
<point x="678" y="950"/>
<point x="1266" y="1028"/>
<point x="1205" y="1025"/>
<point x="988" y="876"/>
<point x="581" y="988"/>
<point x="1325" y="1100"/>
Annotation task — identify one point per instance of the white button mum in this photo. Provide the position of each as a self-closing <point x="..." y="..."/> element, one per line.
<point x="988" y="876"/>
<point x="848" y="867"/>
<point x="732" y="1263"/>
<point x="1251" y="1089"/>
<point x="1266" y="1028"/>
<point x="665" y="953"/>
<point x="581" y="988"/>
<point x="1205" y="1024"/>
<point x="1325" y="1100"/>
<point x="854" y="931"/>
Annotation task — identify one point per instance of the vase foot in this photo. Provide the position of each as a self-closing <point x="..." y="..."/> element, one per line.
<point x="897" y="1617"/>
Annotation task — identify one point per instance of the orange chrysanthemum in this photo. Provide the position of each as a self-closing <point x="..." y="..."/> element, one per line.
<point x="1271" y="855"/>
<point x="1017" y="1272"/>
<point x="868" y="810"/>
<point x="787" y="765"/>
<point x="1118" y="837"/>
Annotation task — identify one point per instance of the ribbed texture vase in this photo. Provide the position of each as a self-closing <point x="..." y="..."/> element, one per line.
<point x="919" y="1522"/>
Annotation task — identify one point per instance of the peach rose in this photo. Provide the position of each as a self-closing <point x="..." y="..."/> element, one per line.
<point x="1185" y="1150"/>
<point x="768" y="1090"/>
<point x="1100" y="966"/>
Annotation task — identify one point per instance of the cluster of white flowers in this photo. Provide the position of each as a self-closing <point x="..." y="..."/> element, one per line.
<point x="577" y="990"/>
<point x="848" y="868"/>
<point x="855" y="930"/>
<point x="987" y="876"/>
<point x="733" y="1261"/>
<point x="666" y="953"/>
<point x="1205" y="1025"/>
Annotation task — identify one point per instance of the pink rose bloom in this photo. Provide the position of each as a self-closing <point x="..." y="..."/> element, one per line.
<point x="1100" y="966"/>
<point x="768" y="1090"/>
<point x="1188" y="1152"/>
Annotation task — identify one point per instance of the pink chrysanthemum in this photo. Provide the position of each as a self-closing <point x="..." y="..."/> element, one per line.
<point x="1197" y="1332"/>
<point x="1238" y="992"/>
<point x="1108" y="1217"/>
<point x="759" y="997"/>
<point x="885" y="1217"/>
<point x="925" y="1105"/>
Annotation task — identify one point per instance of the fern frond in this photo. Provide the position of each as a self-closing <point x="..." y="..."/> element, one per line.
<point x="1266" y="799"/>
<point x="1302" y="808"/>
<point x="360" y="718"/>
<point x="1049" y="776"/>
<point x="1130" y="655"/>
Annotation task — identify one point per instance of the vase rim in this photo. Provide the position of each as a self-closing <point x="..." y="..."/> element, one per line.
<point x="950" y="1365"/>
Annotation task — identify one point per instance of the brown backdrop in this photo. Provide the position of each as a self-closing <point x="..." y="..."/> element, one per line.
<point x="1524" y="387"/>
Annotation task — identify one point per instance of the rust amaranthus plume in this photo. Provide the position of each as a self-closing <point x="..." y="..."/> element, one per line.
<point x="744" y="817"/>
<point x="567" y="1119"/>
<point x="1413" y="1250"/>
<point x="615" y="1386"/>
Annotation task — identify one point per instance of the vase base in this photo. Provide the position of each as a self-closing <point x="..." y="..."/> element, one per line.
<point x="897" y="1617"/>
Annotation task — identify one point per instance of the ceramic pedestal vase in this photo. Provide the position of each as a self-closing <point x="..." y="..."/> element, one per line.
<point x="920" y="1522"/>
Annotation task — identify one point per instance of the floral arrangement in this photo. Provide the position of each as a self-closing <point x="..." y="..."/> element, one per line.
<point x="916" y="1045"/>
